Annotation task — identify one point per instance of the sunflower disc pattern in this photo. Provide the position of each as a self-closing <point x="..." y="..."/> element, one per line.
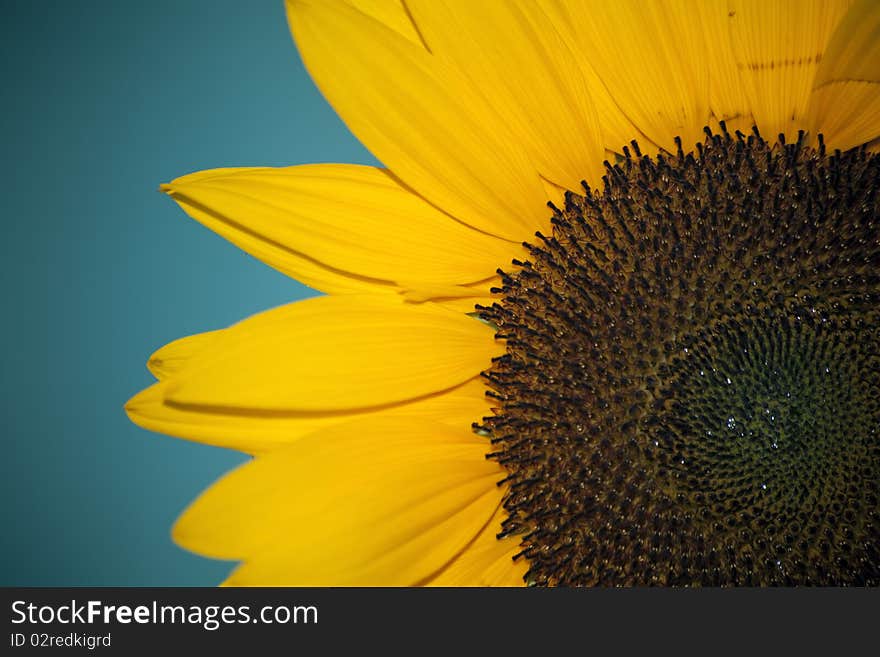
<point x="690" y="390"/>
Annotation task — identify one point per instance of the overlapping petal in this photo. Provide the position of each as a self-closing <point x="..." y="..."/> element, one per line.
<point x="487" y="561"/>
<point x="173" y="356"/>
<point x="727" y="98"/>
<point x="254" y="432"/>
<point x="340" y="228"/>
<point x="513" y="54"/>
<point x="421" y="118"/>
<point x="845" y="99"/>
<point x="335" y="353"/>
<point x="386" y="502"/>
<point x="778" y="46"/>
<point x="650" y="56"/>
<point x="615" y="127"/>
<point x="391" y="13"/>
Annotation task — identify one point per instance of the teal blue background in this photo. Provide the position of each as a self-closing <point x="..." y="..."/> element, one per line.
<point x="102" y="102"/>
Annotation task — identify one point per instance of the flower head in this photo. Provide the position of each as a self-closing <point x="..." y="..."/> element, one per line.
<point x="667" y="376"/>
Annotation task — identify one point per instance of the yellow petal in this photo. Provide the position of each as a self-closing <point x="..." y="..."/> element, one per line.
<point x="464" y="304"/>
<point x="469" y="297"/>
<point x="424" y="121"/>
<point x="169" y="359"/>
<point x="356" y="224"/>
<point x="845" y="102"/>
<point x="385" y="502"/>
<point x="333" y="353"/>
<point x="777" y="45"/>
<point x="254" y="432"/>
<point x="545" y="103"/>
<point x="391" y="13"/>
<point x="727" y="98"/>
<point x="487" y="561"/>
<point x="650" y="55"/>
<point x="617" y="130"/>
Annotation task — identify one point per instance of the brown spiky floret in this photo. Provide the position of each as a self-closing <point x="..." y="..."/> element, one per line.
<point x="691" y="389"/>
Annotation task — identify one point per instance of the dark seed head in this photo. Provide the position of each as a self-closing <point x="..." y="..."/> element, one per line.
<point x="691" y="389"/>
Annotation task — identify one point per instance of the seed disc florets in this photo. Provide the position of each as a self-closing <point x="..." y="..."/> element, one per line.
<point x="691" y="389"/>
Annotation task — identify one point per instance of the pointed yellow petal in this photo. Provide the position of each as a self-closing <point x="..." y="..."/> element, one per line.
<point x="777" y="45"/>
<point x="545" y="103"/>
<point x="254" y="432"/>
<point x="650" y="56"/>
<point x="332" y="353"/>
<point x="845" y="103"/>
<point x="424" y="121"/>
<point x="286" y="260"/>
<point x="169" y="359"/>
<point x="487" y="561"/>
<point x="385" y="502"/>
<point x="357" y="222"/>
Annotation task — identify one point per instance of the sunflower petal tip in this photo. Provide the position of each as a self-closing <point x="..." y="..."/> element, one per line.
<point x="181" y="533"/>
<point x="134" y="402"/>
<point x="155" y="365"/>
<point x="132" y="409"/>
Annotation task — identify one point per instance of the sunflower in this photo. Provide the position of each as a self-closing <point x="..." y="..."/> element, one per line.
<point x="608" y="316"/>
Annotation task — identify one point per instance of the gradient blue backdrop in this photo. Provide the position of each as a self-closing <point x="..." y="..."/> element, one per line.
<point x="102" y="101"/>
